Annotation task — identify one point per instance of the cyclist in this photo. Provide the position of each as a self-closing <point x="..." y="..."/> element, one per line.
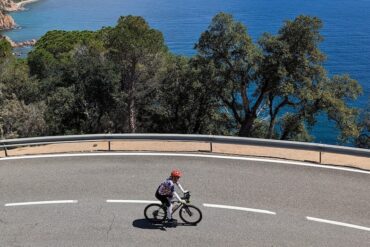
<point x="166" y="191"/>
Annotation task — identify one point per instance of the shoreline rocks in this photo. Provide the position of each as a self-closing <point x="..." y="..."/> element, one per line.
<point x="31" y="42"/>
<point x="14" y="44"/>
<point x="8" y="6"/>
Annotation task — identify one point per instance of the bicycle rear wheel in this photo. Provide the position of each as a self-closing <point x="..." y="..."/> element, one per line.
<point x="190" y="214"/>
<point x="155" y="213"/>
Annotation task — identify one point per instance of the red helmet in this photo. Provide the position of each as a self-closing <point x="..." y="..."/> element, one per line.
<point x="176" y="173"/>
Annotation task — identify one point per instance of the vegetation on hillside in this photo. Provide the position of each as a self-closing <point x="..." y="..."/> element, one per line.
<point x="123" y="79"/>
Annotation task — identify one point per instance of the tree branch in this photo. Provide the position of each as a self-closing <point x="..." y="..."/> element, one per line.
<point x="231" y="105"/>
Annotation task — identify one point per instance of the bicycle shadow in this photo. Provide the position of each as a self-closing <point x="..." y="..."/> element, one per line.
<point x="145" y="224"/>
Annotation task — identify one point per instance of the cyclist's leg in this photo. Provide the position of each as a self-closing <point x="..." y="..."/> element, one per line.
<point x="169" y="208"/>
<point x="167" y="202"/>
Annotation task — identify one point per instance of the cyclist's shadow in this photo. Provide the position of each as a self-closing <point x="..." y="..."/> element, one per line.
<point x="145" y="224"/>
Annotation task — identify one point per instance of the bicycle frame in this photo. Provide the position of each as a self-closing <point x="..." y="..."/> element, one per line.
<point x="176" y="207"/>
<point x="179" y="204"/>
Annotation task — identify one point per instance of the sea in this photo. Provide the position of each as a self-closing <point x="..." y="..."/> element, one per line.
<point x="346" y="29"/>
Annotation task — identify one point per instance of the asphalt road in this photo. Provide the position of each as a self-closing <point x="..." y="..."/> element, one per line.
<point x="293" y="192"/>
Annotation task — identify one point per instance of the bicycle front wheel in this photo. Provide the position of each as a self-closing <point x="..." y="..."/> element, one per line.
<point x="155" y="213"/>
<point x="190" y="214"/>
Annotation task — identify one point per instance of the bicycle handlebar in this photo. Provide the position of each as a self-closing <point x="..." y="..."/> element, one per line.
<point x="186" y="196"/>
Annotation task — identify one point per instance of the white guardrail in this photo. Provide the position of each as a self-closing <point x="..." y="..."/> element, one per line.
<point x="11" y="144"/>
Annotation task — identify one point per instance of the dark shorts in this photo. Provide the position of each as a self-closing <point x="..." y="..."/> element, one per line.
<point x="164" y="199"/>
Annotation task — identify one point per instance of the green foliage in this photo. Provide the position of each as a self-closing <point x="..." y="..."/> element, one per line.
<point x="284" y="73"/>
<point x="124" y="79"/>
<point x="333" y="97"/>
<point x="5" y="49"/>
<point x="137" y="52"/>
<point x="293" y="128"/>
<point x="20" y="120"/>
<point x="291" y="73"/>
<point x="132" y="37"/>
<point x="183" y="103"/>
<point x="62" y="115"/>
<point x="52" y="51"/>
<point x="16" y="81"/>
<point x="59" y="42"/>
<point x="41" y="63"/>
<point x="363" y="139"/>
<point x="227" y="47"/>
<point x="97" y="83"/>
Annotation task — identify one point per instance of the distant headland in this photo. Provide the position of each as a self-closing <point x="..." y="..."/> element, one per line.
<point x="7" y="22"/>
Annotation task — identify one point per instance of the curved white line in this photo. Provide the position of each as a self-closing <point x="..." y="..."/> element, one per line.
<point x="254" y="210"/>
<point x="307" y="164"/>
<point x="131" y="201"/>
<point x="338" y="223"/>
<point x="38" y="203"/>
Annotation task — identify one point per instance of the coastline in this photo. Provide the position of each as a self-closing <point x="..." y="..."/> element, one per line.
<point x="20" y="5"/>
<point x="7" y="6"/>
<point x="11" y="24"/>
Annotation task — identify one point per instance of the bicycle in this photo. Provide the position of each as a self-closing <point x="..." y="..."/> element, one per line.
<point x="157" y="213"/>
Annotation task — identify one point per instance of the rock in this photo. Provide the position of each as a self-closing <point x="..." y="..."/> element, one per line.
<point x="31" y="42"/>
<point x="6" y="21"/>
<point x="8" y="6"/>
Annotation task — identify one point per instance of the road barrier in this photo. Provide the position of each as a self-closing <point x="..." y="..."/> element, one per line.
<point x="318" y="153"/>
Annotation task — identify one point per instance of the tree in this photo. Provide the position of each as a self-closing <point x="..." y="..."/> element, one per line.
<point x="20" y="113"/>
<point x="16" y="81"/>
<point x="72" y="68"/>
<point x="52" y="51"/>
<point x="297" y="83"/>
<point x="62" y="115"/>
<point x="363" y="140"/>
<point x="278" y="88"/>
<point x="5" y="49"/>
<point x="97" y="85"/>
<point x="20" y="120"/>
<point x="136" y="50"/>
<point x="183" y="104"/>
<point x="5" y="55"/>
<point x="226" y="46"/>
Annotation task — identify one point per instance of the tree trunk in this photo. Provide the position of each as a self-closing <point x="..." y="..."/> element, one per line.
<point x="271" y="127"/>
<point x="131" y="97"/>
<point x="274" y="113"/>
<point x="132" y="116"/>
<point x="247" y="126"/>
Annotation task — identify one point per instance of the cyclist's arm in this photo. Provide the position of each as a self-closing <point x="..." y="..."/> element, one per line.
<point x="179" y="185"/>
<point x="177" y="196"/>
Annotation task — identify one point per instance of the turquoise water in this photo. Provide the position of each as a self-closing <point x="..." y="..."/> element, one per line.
<point x="346" y="28"/>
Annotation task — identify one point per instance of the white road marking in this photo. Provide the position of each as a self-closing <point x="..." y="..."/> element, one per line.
<point x="307" y="164"/>
<point x="338" y="223"/>
<point x="39" y="203"/>
<point x="239" y="208"/>
<point x="132" y="201"/>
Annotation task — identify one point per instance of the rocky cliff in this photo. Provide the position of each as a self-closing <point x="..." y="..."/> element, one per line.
<point x="6" y="21"/>
<point x="8" y="5"/>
